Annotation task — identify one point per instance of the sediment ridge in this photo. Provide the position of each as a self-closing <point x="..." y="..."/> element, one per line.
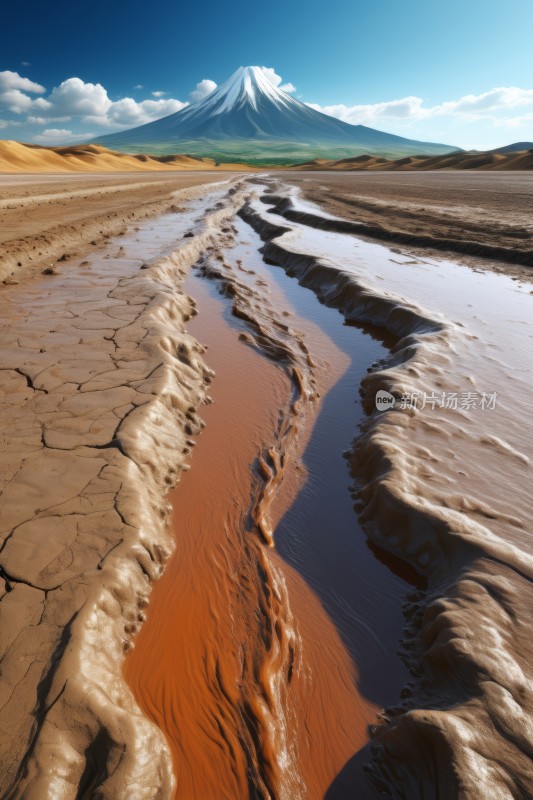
<point x="100" y="433"/>
<point x="452" y="244"/>
<point x="103" y="434"/>
<point x="459" y="732"/>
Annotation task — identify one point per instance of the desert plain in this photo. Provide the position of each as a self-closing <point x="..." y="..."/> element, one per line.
<point x="225" y="572"/>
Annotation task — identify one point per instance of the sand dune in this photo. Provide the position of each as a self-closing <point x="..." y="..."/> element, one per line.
<point x="19" y="157"/>
<point x="22" y="157"/>
<point x="491" y="160"/>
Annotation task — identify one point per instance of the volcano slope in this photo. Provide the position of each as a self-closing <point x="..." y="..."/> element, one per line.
<point x="249" y="119"/>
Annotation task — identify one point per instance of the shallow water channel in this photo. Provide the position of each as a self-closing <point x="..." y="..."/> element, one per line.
<point x="265" y="666"/>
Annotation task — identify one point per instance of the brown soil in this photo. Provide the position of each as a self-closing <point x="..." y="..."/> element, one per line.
<point x="463" y="214"/>
<point x="238" y="663"/>
<point x="44" y="219"/>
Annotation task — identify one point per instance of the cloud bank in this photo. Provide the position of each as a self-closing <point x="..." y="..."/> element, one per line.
<point x="469" y="108"/>
<point x="75" y="99"/>
<point x="15" y="93"/>
<point x="53" y="136"/>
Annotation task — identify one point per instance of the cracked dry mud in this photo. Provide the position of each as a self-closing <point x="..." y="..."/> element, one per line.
<point x="96" y="408"/>
<point x="101" y="389"/>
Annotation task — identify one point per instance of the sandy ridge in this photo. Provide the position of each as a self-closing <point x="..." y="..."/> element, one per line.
<point x="48" y="231"/>
<point x="17" y="157"/>
<point x="517" y="160"/>
<point x="100" y="414"/>
<point x="460" y="731"/>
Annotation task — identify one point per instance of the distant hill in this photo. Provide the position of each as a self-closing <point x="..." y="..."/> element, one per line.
<point x="500" y="159"/>
<point x="513" y="148"/>
<point x="18" y="157"/>
<point x="28" y="158"/>
<point x="248" y="119"/>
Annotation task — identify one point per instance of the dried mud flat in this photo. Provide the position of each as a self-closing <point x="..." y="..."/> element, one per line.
<point x="95" y="415"/>
<point x="102" y="386"/>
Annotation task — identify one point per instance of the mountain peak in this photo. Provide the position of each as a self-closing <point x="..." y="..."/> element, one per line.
<point x="245" y="85"/>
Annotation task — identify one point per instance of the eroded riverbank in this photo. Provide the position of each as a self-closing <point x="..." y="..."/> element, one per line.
<point x="102" y="387"/>
<point x="240" y="717"/>
<point x="95" y="403"/>
<point x="443" y="483"/>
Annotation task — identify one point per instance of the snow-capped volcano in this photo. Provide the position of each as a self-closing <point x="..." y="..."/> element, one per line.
<point x="248" y="118"/>
<point x="246" y="85"/>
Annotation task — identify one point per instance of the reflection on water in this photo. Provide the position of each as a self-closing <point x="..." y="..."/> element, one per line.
<point x="264" y="667"/>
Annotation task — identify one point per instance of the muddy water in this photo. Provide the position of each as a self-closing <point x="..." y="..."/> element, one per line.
<point x="447" y="487"/>
<point x="486" y="348"/>
<point x="324" y="552"/>
<point x="188" y="661"/>
<point x="265" y="667"/>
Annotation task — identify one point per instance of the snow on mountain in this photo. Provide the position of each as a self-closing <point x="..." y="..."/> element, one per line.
<point x="247" y="84"/>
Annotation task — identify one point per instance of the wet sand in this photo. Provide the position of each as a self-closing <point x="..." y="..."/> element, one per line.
<point x="445" y="487"/>
<point x="301" y="619"/>
<point x="209" y="613"/>
<point x="49" y="218"/>
<point x="459" y="213"/>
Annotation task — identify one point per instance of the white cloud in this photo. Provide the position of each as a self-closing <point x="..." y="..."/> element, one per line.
<point x="205" y="87"/>
<point x="74" y="97"/>
<point x="494" y="100"/>
<point x="159" y="94"/>
<point x="272" y="75"/>
<point x="18" y="102"/>
<point x="467" y="108"/>
<point x="8" y="123"/>
<point x="32" y="120"/>
<point x="515" y="122"/>
<point x="15" y="91"/>
<point x="12" y="80"/>
<point x="406" y="108"/>
<point x="138" y="86"/>
<point x="52" y="136"/>
<point x="128" y="113"/>
<point x="91" y="104"/>
<point x="275" y="79"/>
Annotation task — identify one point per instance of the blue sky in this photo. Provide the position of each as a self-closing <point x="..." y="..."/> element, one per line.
<point x="459" y="72"/>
